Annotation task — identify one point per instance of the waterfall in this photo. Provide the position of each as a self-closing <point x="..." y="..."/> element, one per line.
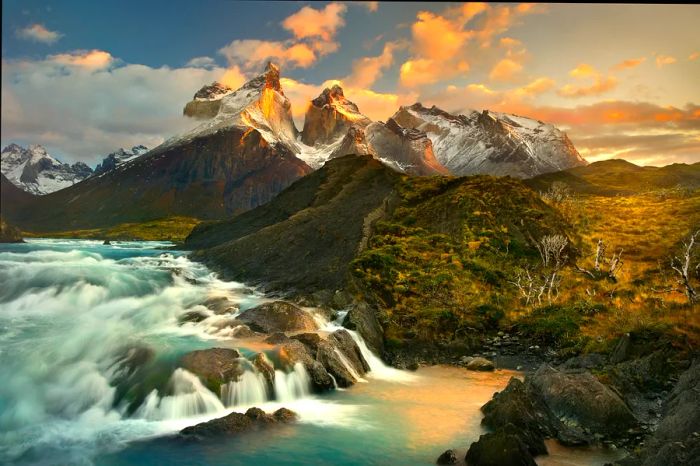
<point x="249" y="390"/>
<point x="348" y="366"/>
<point x="292" y="385"/>
<point x="378" y="369"/>
<point x="190" y="398"/>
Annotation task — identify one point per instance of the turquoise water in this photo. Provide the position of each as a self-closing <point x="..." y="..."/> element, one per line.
<point x="71" y="310"/>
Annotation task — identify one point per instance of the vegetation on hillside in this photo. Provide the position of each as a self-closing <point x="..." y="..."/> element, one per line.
<point x="457" y="255"/>
<point x="173" y="229"/>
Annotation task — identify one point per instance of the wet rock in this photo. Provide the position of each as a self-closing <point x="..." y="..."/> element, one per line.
<point x="515" y="405"/>
<point x="582" y="402"/>
<point x="192" y="316"/>
<point x="276" y="338"/>
<point x="214" y="367"/>
<point x="500" y="448"/>
<point x="237" y="423"/>
<point x="584" y="361"/>
<point x="480" y="364"/>
<point x="310" y="340"/>
<point x="347" y="345"/>
<point x="266" y="368"/>
<point x="278" y="316"/>
<point x="293" y="351"/>
<point x="363" y="319"/>
<point x="448" y="457"/>
<point x="328" y="355"/>
<point x="220" y="305"/>
<point x="107" y="242"/>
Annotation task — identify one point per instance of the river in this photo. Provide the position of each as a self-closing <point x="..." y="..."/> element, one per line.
<point x="71" y="313"/>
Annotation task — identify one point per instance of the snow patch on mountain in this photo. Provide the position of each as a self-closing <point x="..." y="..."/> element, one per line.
<point x="119" y="158"/>
<point x="35" y="171"/>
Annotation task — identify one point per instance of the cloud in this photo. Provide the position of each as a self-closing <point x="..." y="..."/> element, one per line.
<point x="309" y="22"/>
<point x="233" y="78"/>
<point x="534" y="88"/>
<point x="92" y="59"/>
<point x="462" y="35"/>
<point x="313" y="34"/>
<point x="201" y="62"/>
<point x="583" y="70"/>
<point x="252" y="53"/>
<point x="371" y="6"/>
<point x="505" y="70"/>
<point x="663" y="60"/>
<point x="366" y="70"/>
<point x="80" y="111"/>
<point x="630" y="63"/>
<point x="38" y="33"/>
<point x="599" y="84"/>
<point x="694" y="56"/>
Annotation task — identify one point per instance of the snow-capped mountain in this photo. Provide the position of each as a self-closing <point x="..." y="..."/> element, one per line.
<point x="119" y="158"/>
<point x="492" y="143"/>
<point x="207" y="101"/>
<point x="260" y="104"/>
<point x="35" y="171"/>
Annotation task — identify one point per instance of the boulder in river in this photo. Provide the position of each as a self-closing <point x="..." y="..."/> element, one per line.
<point x="214" y="366"/>
<point x="480" y="364"/>
<point x="293" y="351"/>
<point x="582" y="402"/>
<point x="448" y="457"/>
<point x="237" y="423"/>
<point x="278" y="316"/>
<point x="501" y="448"/>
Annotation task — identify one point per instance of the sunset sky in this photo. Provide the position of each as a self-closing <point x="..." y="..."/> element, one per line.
<point x="84" y="78"/>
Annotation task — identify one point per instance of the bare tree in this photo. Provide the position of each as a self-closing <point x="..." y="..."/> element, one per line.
<point x="683" y="267"/>
<point x="615" y="263"/>
<point x="551" y="248"/>
<point x="557" y="192"/>
<point x="530" y="286"/>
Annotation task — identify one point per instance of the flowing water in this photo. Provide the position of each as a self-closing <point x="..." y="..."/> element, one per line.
<point x="90" y="336"/>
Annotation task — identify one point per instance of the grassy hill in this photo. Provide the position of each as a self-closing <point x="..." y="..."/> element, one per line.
<point x="619" y="177"/>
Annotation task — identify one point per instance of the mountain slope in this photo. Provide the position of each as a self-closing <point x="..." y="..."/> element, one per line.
<point x="35" y="171"/>
<point x="320" y="220"/>
<point x="231" y="163"/>
<point x="119" y="158"/>
<point x="492" y="143"/>
<point x="612" y="177"/>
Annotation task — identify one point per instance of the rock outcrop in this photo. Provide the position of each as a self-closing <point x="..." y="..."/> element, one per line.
<point x="119" y="158"/>
<point x="214" y="367"/>
<point x="278" y="316"/>
<point x="207" y="101"/>
<point x="329" y="117"/>
<point x="254" y="419"/>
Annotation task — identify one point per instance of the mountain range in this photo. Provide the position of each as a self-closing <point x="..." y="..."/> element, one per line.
<point x="246" y="149"/>
<point x="35" y="171"/>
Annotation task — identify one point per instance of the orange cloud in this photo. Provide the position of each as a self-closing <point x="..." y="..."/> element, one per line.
<point x="309" y="22"/>
<point x="694" y="56"/>
<point x="366" y="70"/>
<point x="233" y="78"/>
<point x="536" y="87"/>
<point x="460" y="35"/>
<point x="253" y="53"/>
<point x="627" y="64"/>
<point x="92" y="60"/>
<point x="663" y="60"/>
<point x="601" y="85"/>
<point x="583" y="70"/>
<point x="505" y="70"/>
<point x="371" y="6"/>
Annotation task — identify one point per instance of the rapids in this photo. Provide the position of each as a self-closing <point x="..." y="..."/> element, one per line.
<point x="90" y="336"/>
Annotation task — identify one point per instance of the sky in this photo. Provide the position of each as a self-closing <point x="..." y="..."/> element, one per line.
<point x="84" y="78"/>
